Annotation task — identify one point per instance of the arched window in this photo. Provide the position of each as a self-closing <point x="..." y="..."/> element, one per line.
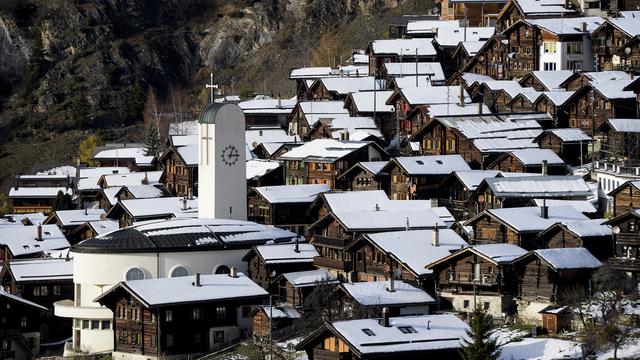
<point x="223" y="269"/>
<point x="134" y="273"/>
<point x="179" y="270"/>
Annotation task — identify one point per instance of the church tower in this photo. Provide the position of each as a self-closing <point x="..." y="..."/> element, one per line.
<point x="222" y="184"/>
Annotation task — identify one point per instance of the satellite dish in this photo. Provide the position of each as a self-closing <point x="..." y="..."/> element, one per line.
<point x="616" y="230"/>
<point x="397" y="272"/>
<point x="480" y="198"/>
<point x="254" y="144"/>
<point x="627" y="50"/>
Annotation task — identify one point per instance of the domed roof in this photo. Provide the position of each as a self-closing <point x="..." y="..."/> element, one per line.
<point x="181" y="235"/>
<point x="209" y="113"/>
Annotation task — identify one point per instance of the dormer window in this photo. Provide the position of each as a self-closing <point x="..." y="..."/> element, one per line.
<point x="407" y="329"/>
<point x="368" y="332"/>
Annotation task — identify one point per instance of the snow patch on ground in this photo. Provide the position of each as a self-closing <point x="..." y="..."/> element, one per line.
<point x="541" y="349"/>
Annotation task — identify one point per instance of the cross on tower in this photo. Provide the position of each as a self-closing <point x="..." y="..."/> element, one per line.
<point x="211" y="86"/>
<point x="204" y="147"/>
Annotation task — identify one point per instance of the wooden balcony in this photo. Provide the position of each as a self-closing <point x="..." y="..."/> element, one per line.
<point x="332" y="263"/>
<point x="331" y="242"/>
<point x="628" y="239"/>
<point x="467" y="277"/>
<point x="453" y="205"/>
<point x="625" y="264"/>
<point x="322" y="354"/>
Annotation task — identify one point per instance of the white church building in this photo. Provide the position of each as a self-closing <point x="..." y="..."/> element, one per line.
<point x="211" y="244"/>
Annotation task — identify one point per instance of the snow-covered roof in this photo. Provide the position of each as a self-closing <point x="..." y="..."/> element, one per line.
<point x="538" y="186"/>
<point x="308" y="278"/>
<point x="104" y="226"/>
<point x="430" y="26"/>
<point x="78" y="217"/>
<point x="136" y="153"/>
<point x="629" y="14"/>
<point x="364" y="101"/>
<point x="431" y="69"/>
<point x="20" y="300"/>
<point x="613" y="89"/>
<point x="304" y="193"/>
<point x="322" y="107"/>
<point x="268" y="135"/>
<point x="285" y="253"/>
<point x="472" y="178"/>
<point x="145" y="191"/>
<point x="184" y="140"/>
<point x="537" y="156"/>
<point x="512" y="87"/>
<point x="430" y="332"/>
<point x="556" y="97"/>
<point x="258" y="167"/>
<point x="434" y="95"/>
<point x="630" y="26"/>
<point x="500" y="253"/>
<point x="588" y="228"/>
<point x="451" y="37"/>
<point x="472" y="47"/>
<point x="570" y="135"/>
<point x="22" y="240"/>
<point x="310" y="72"/>
<point x="326" y="149"/>
<point x="41" y="269"/>
<point x="157" y="207"/>
<point x="268" y="106"/>
<point x="404" y="47"/>
<point x="97" y="172"/>
<point x="110" y="194"/>
<point x="346" y="85"/>
<point x="38" y="192"/>
<point x="21" y="219"/>
<point x="282" y="311"/>
<point x="410" y="81"/>
<point x="541" y="349"/>
<point x="569" y="258"/>
<point x="456" y="109"/>
<point x="373" y="167"/>
<point x="501" y="145"/>
<point x="66" y="170"/>
<point x="584" y="206"/>
<point x="490" y="126"/>
<point x="625" y="125"/>
<point x="432" y="164"/>
<point x="376" y="293"/>
<point x="568" y="25"/>
<point x="134" y="178"/>
<point x="177" y="290"/>
<point x="543" y="7"/>
<point x="552" y="79"/>
<point x="529" y="219"/>
<point x="415" y="248"/>
<point x="473" y="78"/>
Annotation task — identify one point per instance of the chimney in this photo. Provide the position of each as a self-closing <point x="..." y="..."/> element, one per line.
<point x="145" y="179"/>
<point x="234" y="272"/>
<point x="428" y="324"/>
<point x="279" y="101"/>
<point x="385" y="317"/>
<point x="344" y="136"/>
<point x="296" y="245"/>
<point x="480" y="108"/>
<point x="461" y="95"/>
<point x="78" y="165"/>
<point x="544" y="167"/>
<point x="406" y="225"/>
<point x="190" y="193"/>
<point x="197" y="282"/>
<point x="39" y="233"/>
<point x="86" y="212"/>
<point x="544" y="209"/>
<point x="583" y="26"/>
<point x="377" y="207"/>
<point x="392" y="286"/>
<point x="184" y="204"/>
<point x="114" y="171"/>
<point x="435" y="236"/>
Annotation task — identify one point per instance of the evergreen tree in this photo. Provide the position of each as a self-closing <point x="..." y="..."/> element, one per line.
<point x="480" y="345"/>
<point x="62" y="202"/>
<point x="152" y="143"/>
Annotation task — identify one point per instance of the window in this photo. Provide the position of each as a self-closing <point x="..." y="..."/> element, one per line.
<point x="221" y="312"/>
<point x="549" y="66"/>
<point x="574" y="48"/>
<point x="196" y="338"/>
<point x="134" y="273"/>
<point x="549" y="48"/>
<point x="223" y="269"/>
<point x="23" y="321"/>
<point x="178" y="271"/>
<point x="36" y="291"/>
<point x="95" y="324"/>
<point x="368" y="332"/>
<point x="407" y="329"/>
<point x="486" y="305"/>
<point x="56" y="289"/>
<point x="169" y="340"/>
<point x="195" y="314"/>
<point x="85" y="324"/>
<point x="168" y="315"/>
<point x="106" y="325"/>
<point x="465" y="304"/>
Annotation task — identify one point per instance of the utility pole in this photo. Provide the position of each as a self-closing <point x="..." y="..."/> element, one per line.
<point x="593" y="127"/>
<point x="416" y="67"/>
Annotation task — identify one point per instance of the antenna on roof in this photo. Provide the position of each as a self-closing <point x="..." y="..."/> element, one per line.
<point x="407" y="224"/>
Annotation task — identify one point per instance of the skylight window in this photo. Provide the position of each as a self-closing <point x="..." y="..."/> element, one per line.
<point x="439" y="162"/>
<point x="368" y="332"/>
<point x="420" y="162"/>
<point x="407" y="329"/>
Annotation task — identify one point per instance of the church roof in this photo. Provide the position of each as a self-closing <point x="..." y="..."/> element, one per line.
<point x="209" y="113"/>
<point x="182" y="235"/>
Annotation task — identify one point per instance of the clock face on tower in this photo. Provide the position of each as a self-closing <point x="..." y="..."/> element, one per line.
<point x="230" y="155"/>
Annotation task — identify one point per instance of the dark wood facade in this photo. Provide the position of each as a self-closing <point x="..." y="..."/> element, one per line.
<point x="289" y="215"/>
<point x="180" y="178"/>
<point x="510" y="163"/>
<point x="491" y="59"/>
<point x="572" y="152"/>
<point x="626" y="198"/>
<point x="19" y="334"/>
<point x="588" y="108"/>
<point x="626" y="243"/>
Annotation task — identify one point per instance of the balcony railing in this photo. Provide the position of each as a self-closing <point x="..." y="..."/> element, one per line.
<point x="453" y="205"/>
<point x="623" y="169"/>
<point x="9" y="332"/>
<point x="628" y="239"/>
<point x="322" y="354"/>
<point x="466" y="277"/>
<point x="330" y="241"/>
<point x="332" y="263"/>
<point x="625" y="264"/>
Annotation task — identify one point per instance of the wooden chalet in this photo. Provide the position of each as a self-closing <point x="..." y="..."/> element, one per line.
<point x="181" y="315"/>
<point x="515" y="10"/>
<point x="322" y="161"/>
<point x="284" y="206"/>
<point x="382" y="256"/>
<point x="626" y="239"/>
<point x="478" y="275"/>
<point x="180" y="169"/>
<point x="491" y="59"/>
<point x="92" y="229"/>
<point x="519" y="226"/>
<point x="20" y="335"/>
<point x="496" y="94"/>
<point x="398" y="50"/>
<point x="69" y="220"/>
<point x="552" y="103"/>
<point x="372" y="104"/>
<point x="366" y="175"/>
<point x="541" y="161"/>
<point x="569" y="144"/>
<point x="132" y="156"/>
<point x="593" y="235"/>
<point x="458" y="188"/>
<point x="418" y="177"/>
<point x="514" y="191"/>
<point x="523" y="102"/>
<point x="270" y="321"/>
<point x="22" y="242"/>
<point x="305" y="77"/>
<point x="268" y="112"/>
<point x="295" y="287"/>
<point x="28" y="200"/>
<point x="619" y="138"/>
<point x="338" y="88"/>
<point x="306" y="113"/>
<point x="42" y="281"/>
<point x="402" y="338"/>
<point x="266" y="262"/>
<point x="553" y="277"/>
<point x="545" y="81"/>
<point x="592" y="104"/>
<point x="611" y="39"/>
<point x="626" y="197"/>
<point x="127" y="212"/>
<point x="476" y="13"/>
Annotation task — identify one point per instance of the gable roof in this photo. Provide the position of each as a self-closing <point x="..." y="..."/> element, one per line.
<point x="325" y="149"/>
<point x="20" y="300"/>
<point x="257" y="168"/>
<point x="557" y="98"/>
<point x="346" y="85"/>
<point x="377" y="293"/>
<point x="497" y="254"/>
<point x="569" y="135"/>
<point x="431" y="164"/>
<point x="430" y="95"/>
<point x="22" y="240"/>
<point x="398" y="46"/>
<point x="451" y="37"/>
<point x="529" y="219"/>
<point x="431" y="69"/>
<point x="472" y="178"/>
<point x="529" y="157"/>
<point x="41" y="269"/>
<point x="538" y="186"/>
<point x="584" y="228"/>
<point x="549" y="79"/>
<point x="568" y="258"/>
<point x="304" y="193"/>
<point x="584" y="206"/>
<point x="75" y="217"/>
<point x="624" y="125"/>
<point x="364" y="101"/>
<point x="284" y="253"/>
<point x="301" y="279"/>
